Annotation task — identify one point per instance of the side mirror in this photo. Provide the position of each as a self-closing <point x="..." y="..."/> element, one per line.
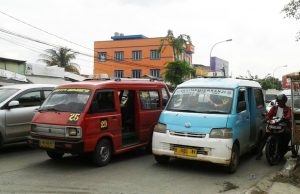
<point x="241" y="106"/>
<point x="13" y="103"/>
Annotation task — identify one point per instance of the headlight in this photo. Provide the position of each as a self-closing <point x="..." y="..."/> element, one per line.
<point x="223" y="133"/>
<point x="73" y="132"/>
<point x="160" y="128"/>
<point x="33" y="127"/>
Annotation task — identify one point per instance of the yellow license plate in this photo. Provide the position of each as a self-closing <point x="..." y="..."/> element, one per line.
<point x="50" y="144"/>
<point x="185" y="152"/>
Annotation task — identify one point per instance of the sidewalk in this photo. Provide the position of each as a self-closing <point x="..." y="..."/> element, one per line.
<point x="286" y="181"/>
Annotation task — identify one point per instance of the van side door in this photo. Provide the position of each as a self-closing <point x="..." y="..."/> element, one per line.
<point x="243" y="119"/>
<point x="149" y="111"/>
<point x="257" y="126"/>
<point x="103" y="118"/>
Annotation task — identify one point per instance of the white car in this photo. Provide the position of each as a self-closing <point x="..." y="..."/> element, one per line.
<point x="17" y="106"/>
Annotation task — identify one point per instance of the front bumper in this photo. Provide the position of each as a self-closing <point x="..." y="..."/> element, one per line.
<point x="208" y="149"/>
<point x="62" y="146"/>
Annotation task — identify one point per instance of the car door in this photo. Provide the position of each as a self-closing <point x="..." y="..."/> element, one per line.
<point x="18" y="119"/>
<point x="243" y="120"/>
<point x="149" y="112"/>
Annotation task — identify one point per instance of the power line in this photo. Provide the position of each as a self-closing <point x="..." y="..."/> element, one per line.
<point x="124" y="62"/>
<point x="49" y="33"/>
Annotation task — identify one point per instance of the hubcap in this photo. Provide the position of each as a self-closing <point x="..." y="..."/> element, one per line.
<point x="104" y="153"/>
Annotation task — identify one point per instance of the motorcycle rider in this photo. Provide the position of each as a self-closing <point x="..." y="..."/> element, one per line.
<point x="283" y="113"/>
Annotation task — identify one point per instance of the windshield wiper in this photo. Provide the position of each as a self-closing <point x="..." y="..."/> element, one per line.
<point x="215" y="111"/>
<point x="49" y="108"/>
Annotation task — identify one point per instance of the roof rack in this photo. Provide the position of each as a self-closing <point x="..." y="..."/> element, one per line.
<point x="250" y="79"/>
<point x="137" y="79"/>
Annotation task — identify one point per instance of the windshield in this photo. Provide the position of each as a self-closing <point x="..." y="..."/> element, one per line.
<point x="5" y="93"/>
<point x="202" y="100"/>
<point x="67" y="100"/>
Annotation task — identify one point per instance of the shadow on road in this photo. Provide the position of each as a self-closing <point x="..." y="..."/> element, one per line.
<point x="202" y="167"/>
<point x="14" y="148"/>
<point x="76" y="162"/>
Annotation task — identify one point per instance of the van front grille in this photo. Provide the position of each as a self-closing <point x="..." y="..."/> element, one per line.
<point x="186" y="134"/>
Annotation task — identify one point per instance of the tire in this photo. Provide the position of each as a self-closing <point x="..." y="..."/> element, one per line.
<point x="103" y="153"/>
<point x="55" y="155"/>
<point x="234" y="160"/>
<point x="295" y="150"/>
<point x="273" y="150"/>
<point x="162" y="159"/>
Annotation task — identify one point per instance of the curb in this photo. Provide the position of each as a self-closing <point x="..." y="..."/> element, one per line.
<point x="266" y="182"/>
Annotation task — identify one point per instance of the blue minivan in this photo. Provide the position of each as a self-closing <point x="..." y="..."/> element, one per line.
<point x="210" y="119"/>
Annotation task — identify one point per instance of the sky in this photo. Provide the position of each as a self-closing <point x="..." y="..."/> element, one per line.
<point x="263" y="41"/>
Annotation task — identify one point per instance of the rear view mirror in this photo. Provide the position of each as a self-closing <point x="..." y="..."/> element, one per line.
<point x="13" y="103"/>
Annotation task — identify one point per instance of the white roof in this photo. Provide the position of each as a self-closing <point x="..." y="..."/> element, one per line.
<point x="219" y="83"/>
<point x="28" y="86"/>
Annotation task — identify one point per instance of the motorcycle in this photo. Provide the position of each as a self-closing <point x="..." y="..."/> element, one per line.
<point x="276" y="145"/>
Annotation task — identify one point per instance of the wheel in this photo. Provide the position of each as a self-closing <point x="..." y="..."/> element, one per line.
<point x="295" y="149"/>
<point x="162" y="159"/>
<point x="235" y="158"/>
<point x="102" y="153"/>
<point x="272" y="150"/>
<point x="55" y="155"/>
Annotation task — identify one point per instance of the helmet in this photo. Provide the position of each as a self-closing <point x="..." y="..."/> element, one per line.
<point x="281" y="97"/>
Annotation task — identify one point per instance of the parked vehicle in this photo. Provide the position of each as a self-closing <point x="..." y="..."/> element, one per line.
<point x="99" y="117"/>
<point x="210" y="119"/>
<point x="17" y="106"/>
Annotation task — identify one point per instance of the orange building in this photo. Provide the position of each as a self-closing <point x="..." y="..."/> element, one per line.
<point x="133" y="56"/>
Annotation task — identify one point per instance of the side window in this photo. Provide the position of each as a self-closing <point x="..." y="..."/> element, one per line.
<point x="241" y="104"/>
<point x="149" y="99"/>
<point x="165" y="97"/>
<point x="30" y="99"/>
<point x="259" y="98"/>
<point x="46" y="93"/>
<point x="103" y="101"/>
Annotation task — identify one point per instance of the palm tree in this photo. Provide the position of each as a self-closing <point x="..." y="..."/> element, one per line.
<point x="178" y="44"/>
<point x="179" y="70"/>
<point x="61" y="57"/>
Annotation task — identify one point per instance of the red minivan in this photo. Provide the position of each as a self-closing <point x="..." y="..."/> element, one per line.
<point x="99" y="117"/>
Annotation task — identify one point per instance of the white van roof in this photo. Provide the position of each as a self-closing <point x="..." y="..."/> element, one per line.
<point x="219" y="83"/>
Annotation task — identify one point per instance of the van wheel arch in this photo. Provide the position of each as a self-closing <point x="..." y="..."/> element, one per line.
<point x="103" y="151"/>
<point x="234" y="158"/>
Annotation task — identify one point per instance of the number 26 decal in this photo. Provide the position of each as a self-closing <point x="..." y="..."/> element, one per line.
<point x="74" y="117"/>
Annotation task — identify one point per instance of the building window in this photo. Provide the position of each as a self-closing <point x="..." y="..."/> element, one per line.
<point x="155" y="72"/>
<point x="136" y="55"/>
<point x="154" y="55"/>
<point x="119" y="55"/>
<point x="119" y="73"/>
<point x="136" y="73"/>
<point x="102" y="56"/>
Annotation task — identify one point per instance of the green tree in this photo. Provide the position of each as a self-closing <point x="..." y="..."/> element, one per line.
<point x="178" y="44"/>
<point x="62" y="57"/>
<point x="292" y="10"/>
<point x="178" y="71"/>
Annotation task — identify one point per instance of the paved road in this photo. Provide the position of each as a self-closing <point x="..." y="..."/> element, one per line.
<point x="26" y="170"/>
